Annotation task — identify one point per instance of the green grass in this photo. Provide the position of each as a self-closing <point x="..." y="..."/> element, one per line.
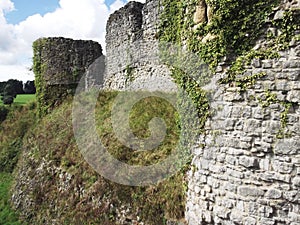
<point x="7" y="214"/>
<point x="22" y="99"/>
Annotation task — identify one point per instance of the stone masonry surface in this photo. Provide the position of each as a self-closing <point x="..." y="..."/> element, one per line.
<point x="66" y="60"/>
<point x="132" y="60"/>
<point x="63" y="62"/>
<point x="249" y="170"/>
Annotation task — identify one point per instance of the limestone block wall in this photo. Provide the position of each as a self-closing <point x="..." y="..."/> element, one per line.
<point x="249" y="170"/>
<point x="123" y="28"/>
<point x="132" y="60"/>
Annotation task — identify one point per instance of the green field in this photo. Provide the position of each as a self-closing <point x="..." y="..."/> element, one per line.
<point x="22" y="99"/>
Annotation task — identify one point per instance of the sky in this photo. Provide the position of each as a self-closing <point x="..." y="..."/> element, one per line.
<point x="24" y="21"/>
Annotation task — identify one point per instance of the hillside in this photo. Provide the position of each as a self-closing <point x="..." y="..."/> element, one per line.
<point x="52" y="170"/>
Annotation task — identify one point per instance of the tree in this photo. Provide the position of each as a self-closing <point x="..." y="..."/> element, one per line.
<point x="16" y="85"/>
<point x="2" y="86"/>
<point x="7" y="99"/>
<point x="29" y="87"/>
<point x="9" y="94"/>
<point x="3" y="113"/>
<point x="10" y="90"/>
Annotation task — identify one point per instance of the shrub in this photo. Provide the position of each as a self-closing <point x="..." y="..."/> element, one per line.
<point x="3" y="113"/>
<point x="7" y="99"/>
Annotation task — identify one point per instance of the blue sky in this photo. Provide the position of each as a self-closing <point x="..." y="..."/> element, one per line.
<point x="24" y="21"/>
<point x="25" y="8"/>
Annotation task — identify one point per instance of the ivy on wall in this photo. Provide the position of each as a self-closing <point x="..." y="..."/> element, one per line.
<point x="49" y="94"/>
<point x="235" y="26"/>
<point x="229" y="36"/>
<point x="233" y="29"/>
<point x="38" y="69"/>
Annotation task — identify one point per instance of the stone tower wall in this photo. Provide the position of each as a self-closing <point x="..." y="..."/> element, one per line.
<point x="59" y="64"/>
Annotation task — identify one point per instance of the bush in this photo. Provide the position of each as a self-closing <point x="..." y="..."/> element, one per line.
<point x="9" y="156"/>
<point x="3" y="113"/>
<point x="29" y="87"/>
<point x="18" y="121"/>
<point x="8" y="99"/>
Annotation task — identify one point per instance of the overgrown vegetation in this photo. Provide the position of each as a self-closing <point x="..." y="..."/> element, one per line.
<point x="3" y="113"/>
<point x="129" y="70"/>
<point x="7" y="214"/>
<point x="18" y="121"/>
<point x="167" y="198"/>
<point x="38" y="69"/>
<point x="234" y="26"/>
<point x="52" y="141"/>
<point x="229" y="35"/>
<point x="270" y="98"/>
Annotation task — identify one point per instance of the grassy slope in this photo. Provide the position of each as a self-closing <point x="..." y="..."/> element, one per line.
<point x="52" y="141"/>
<point x="12" y="131"/>
<point x="7" y="214"/>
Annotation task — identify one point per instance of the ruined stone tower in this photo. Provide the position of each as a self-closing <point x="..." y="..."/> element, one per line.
<point x="59" y="64"/>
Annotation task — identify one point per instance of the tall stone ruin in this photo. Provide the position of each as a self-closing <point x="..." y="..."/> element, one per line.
<point x="59" y="64"/>
<point x="132" y="48"/>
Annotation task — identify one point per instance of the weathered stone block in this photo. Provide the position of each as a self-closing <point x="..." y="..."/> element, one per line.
<point x="287" y="147"/>
<point x="253" y="126"/>
<point x="222" y="212"/>
<point x="293" y="75"/>
<point x="265" y="211"/>
<point x="282" y="167"/>
<point x="249" y="221"/>
<point x="235" y="173"/>
<point x="256" y="63"/>
<point x="267" y="64"/>
<point x="250" y="191"/>
<point x="296" y="181"/>
<point x="273" y="194"/>
<point x="282" y="85"/>
<point x="294" y="96"/>
<point x="200" y="15"/>
<point x="248" y="161"/>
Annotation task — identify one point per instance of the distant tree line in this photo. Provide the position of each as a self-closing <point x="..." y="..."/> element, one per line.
<point x="11" y="88"/>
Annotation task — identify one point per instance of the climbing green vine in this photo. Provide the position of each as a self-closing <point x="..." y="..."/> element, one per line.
<point x="271" y="98"/>
<point x="228" y="36"/>
<point x="38" y="69"/>
<point x="233" y="29"/>
<point x="129" y="74"/>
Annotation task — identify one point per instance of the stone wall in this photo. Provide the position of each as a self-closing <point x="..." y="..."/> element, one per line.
<point x="59" y="64"/>
<point x="249" y="170"/>
<point x="132" y="60"/>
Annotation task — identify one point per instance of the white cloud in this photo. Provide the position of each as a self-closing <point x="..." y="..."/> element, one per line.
<point x="6" y="6"/>
<point x="20" y="72"/>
